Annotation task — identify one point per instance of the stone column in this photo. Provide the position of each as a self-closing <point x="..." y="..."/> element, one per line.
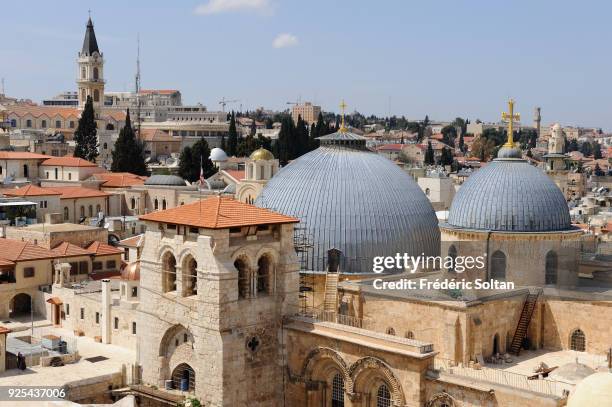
<point x="105" y="324"/>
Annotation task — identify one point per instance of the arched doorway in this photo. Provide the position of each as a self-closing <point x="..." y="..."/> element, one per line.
<point x="183" y="378"/>
<point x="496" y="349"/>
<point x="20" y="305"/>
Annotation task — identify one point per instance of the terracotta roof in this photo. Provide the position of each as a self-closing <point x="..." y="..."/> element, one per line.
<point x="116" y="115"/>
<point x="22" y="155"/>
<point x="37" y="111"/>
<point x="103" y="249"/>
<point x="69" y="161"/>
<point x="236" y="174"/>
<point x="218" y="213"/>
<point x="119" y="179"/>
<point x="391" y="147"/>
<point x="69" y="249"/>
<point x="157" y="135"/>
<point x="31" y="190"/>
<point x="16" y="250"/>
<point x="77" y="192"/>
<point x="134" y="241"/>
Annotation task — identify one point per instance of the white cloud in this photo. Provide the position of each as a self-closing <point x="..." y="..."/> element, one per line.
<point x="230" y="6"/>
<point x="285" y="40"/>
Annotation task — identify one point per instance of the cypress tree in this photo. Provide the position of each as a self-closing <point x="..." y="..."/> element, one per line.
<point x="193" y="158"/>
<point x="232" y="140"/>
<point x="128" y="152"/>
<point x="85" y="135"/>
<point x="283" y="142"/>
<point x="429" y="154"/>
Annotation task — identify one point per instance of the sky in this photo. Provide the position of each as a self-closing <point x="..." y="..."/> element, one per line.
<point x="438" y="58"/>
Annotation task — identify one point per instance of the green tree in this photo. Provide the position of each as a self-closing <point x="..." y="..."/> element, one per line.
<point x="300" y="138"/>
<point x="597" y="150"/>
<point x="461" y="143"/>
<point x="128" y="152"/>
<point x="446" y="157"/>
<point x="283" y="143"/>
<point x="194" y="159"/>
<point x="586" y="149"/>
<point x="85" y="135"/>
<point x="572" y="145"/>
<point x="232" y="139"/>
<point x="429" y="154"/>
<point x="449" y="134"/>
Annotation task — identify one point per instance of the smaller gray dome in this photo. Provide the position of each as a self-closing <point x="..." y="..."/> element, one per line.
<point x="509" y="152"/>
<point x="217" y="154"/>
<point x="165" y="180"/>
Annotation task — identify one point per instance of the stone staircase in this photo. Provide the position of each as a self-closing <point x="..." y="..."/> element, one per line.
<point x="330" y="298"/>
<point x="524" y="320"/>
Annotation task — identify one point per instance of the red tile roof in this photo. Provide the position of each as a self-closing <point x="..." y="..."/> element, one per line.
<point x="391" y="147"/>
<point x="78" y="192"/>
<point x="218" y="213"/>
<point x="16" y="250"/>
<point x="31" y="190"/>
<point x="103" y="249"/>
<point x="119" y="179"/>
<point x="69" y="249"/>
<point x="22" y="155"/>
<point x="69" y="161"/>
<point x="236" y="174"/>
<point x="49" y="111"/>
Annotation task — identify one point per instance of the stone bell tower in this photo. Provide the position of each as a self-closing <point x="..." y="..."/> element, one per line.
<point x="90" y="79"/>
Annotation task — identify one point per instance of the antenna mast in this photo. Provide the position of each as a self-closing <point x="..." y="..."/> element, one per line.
<point x="137" y="85"/>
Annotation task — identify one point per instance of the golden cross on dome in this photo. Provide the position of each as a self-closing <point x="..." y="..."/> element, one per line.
<point x="510" y="117"/>
<point x="342" y="107"/>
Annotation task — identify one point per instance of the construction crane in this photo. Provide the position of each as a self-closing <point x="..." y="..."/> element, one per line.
<point x="225" y="101"/>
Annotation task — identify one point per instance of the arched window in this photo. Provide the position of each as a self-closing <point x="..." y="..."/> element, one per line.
<point x="96" y="95"/>
<point x="90" y="210"/>
<point x="83" y="73"/>
<point x="383" y="396"/>
<point x="452" y="254"/>
<point x="337" y="396"/>
<point x="26" y="171"/>
<point x="56" y="173"/>
<point x="578" y="341"/>
<point x="551" y="268"/>
<point x="28" y="123"/>
<point x="427" y="191"/>
<point x="133" y="203"/>
<point x="168" y="273"/>
<point x="43" y="124"/>
<point x="409" y="335"/>
<point x="164" y="204"/>
<point x="82" y="211"/>
<point x="264" y="274"/>
<point x="156" y="204"/>
<point x="95" y="73"/>
<point x="244" y="285"/>
<point x="498" y="266"/>
<point x="66" y="213"/>
<point x="390" y="331"/>
<point x="190" y="277"/>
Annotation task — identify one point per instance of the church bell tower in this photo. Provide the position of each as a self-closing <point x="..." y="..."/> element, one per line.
<point x="90" y="79"/>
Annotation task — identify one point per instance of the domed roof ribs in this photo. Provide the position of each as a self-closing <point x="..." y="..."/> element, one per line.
<point x="90" y="45"/>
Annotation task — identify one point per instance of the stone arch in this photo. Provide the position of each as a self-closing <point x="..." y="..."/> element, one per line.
<point x="246" y="193"/>
<point x="265" y="272"/>
<point x="189" y="274"/>
<point x="441" y="399"/>
<point x="183" y="377"/>
<point x="175" y="348"/>
<point x="168" y="269"/>
<point x="243" y="264"/>
<point x="496" y="346"/>
<point x="20" y="304"/>
<point x="321" y="364"/>
<point x="368" y="373"/>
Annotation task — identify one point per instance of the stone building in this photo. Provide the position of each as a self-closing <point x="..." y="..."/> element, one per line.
<point x="260" y="168"/>
<point x="307" y="111"/>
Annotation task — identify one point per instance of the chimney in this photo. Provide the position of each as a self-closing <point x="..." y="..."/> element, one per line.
<point x="105" y="324"/>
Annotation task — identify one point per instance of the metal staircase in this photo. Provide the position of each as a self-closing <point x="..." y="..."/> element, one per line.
<point x="524" y="320"/>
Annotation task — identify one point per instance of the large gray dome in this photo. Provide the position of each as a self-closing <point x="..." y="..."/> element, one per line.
<point x="510" y="195"/>
<point x="353" y="200"/>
